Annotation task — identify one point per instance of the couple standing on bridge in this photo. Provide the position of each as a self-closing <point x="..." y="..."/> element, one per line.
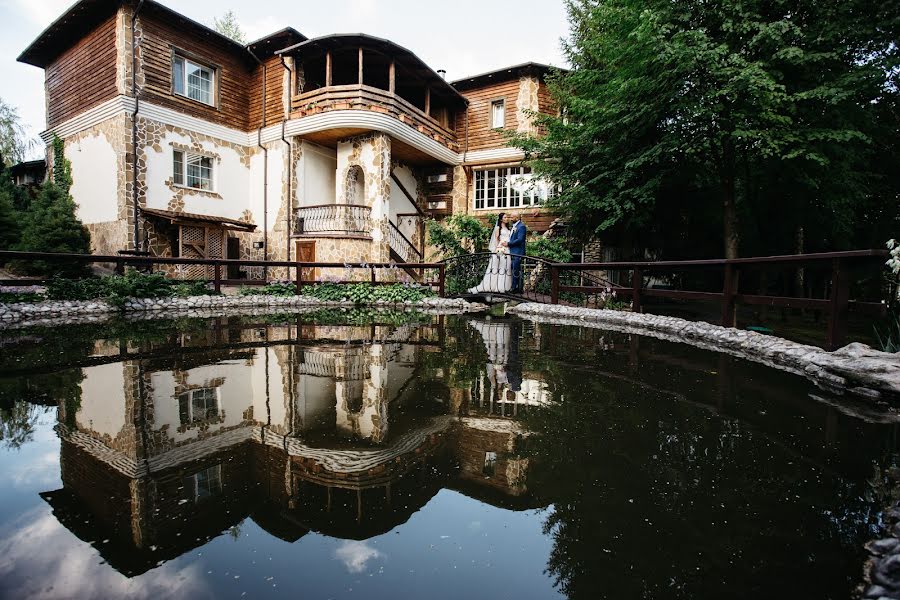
<point x="507" y="247"/>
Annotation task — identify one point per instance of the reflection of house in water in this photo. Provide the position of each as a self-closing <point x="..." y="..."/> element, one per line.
<point x="307" y="428"/>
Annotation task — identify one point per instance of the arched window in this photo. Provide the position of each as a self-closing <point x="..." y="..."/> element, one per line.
<point x="355" y="186"/>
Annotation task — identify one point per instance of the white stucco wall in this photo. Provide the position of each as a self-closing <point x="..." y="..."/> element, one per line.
<point x="317" y="182"/>
<point x="254" y="194"/>
<point x="102" y="408"/>
<point x="231" y="179"/>
<point x="400" y="204"/>
<point x="94" y="178"/>
<point x="235" y="397"/>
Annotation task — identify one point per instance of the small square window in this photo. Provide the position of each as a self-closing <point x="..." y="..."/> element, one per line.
<point x="192" y="170"/>
<point x="498" y="114"/>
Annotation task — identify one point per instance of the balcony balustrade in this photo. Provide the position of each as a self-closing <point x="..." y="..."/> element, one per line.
<point x="334" y="220"/>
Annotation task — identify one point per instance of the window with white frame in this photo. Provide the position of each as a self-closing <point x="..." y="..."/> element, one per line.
<point x="193" y="80"/>
<point x="198" y="406"/>
<point x="192" y="170"/>
<point x="203" y="484"/>
<point x="511" y="187"/>
<point x="498" y="114"/>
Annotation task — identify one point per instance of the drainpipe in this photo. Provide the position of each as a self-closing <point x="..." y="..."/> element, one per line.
<point x="290" y="145"/>
<point x="265" y="152"/>
<point x="134" y="149"/>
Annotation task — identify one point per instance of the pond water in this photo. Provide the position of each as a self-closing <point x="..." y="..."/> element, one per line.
<point x="392" y="455"/>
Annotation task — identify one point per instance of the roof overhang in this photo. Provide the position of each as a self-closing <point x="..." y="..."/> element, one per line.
<point x="504" y="74"/>
<point x="192" y="218"/>
<point x="341" y="41"/>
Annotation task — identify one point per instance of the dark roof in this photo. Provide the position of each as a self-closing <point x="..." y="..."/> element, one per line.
<point x="30" y="165"/>
<point x="214" y="220"/>
<point x="270" y="44"/>
<point x="504" y="74"/>
<point x="337" y="41"/>
<point x="84" y="16"/>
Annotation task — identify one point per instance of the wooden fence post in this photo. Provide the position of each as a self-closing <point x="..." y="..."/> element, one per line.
<point x="637" y="283"/>
<point x="838" y="305"/>
<point x="120" y="266"/>
<point x="554" y="284"/>
<point x="728" y="292"/>
<point x="299" y="278"/>
<point x="373" y="275"/>
<point x="217" y="278"/>
<point x="442" y="280"/>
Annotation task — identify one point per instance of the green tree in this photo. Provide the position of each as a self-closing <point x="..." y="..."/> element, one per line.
<point x="51" y="225"/>
<point x="756" y="117"/>
<point x="228" y="26"/>
<point x="14" y="141"/>
<point x="458" y="235"/>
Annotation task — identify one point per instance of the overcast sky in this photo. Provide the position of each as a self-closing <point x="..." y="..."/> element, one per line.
<point x="465" y="37"/>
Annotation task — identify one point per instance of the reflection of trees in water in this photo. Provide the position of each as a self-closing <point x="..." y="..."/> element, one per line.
<point x="656" y="496"/>
<point x="17" y="424"/>
<point x="22" y="399"/>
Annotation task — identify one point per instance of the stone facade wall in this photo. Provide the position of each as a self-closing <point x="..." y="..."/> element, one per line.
<point x="372" y="154"/>
<point x="526" y="104"/>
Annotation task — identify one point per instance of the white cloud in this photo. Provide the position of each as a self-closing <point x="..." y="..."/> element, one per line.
<point x="355" y="555"/>
<point x="41" y="559"/>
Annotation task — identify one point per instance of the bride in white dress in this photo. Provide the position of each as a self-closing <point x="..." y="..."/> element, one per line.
<point x="498" y="275"/>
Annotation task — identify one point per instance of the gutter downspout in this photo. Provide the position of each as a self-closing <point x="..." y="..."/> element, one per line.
<point x="134" y="148"/>
<point x="265" y="160"/>
<point x="290" y="199"/>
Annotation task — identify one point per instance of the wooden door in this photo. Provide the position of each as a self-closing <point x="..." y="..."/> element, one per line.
<point x="306" y="252"/>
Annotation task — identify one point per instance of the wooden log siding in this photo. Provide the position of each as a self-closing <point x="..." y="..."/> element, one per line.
<point x="275" y="112"/>
<point x="83" y="76"/>
<point x="481" y="135"/>
<point x="234" y="72"/>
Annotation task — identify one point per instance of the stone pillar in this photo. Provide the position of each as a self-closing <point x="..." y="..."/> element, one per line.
<point x="369" y="155"/>
<point x="526" y="104"/>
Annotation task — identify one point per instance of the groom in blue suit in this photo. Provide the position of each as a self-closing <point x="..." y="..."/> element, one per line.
<point x="517" y="250"/>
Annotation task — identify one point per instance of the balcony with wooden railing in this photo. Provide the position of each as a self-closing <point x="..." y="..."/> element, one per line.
<point x="334" y="220"/>
<point x="345" y="72"/>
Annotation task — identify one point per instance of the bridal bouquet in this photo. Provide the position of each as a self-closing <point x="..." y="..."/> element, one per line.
<point x="502" y="250"/>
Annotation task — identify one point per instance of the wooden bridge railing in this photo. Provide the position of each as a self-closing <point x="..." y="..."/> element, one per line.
<point x="836" y="306"/>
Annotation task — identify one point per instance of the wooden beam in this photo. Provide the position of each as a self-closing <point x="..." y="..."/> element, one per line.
<point x="392" y="77"/>
<point x="360" y="66"/>
<point x="328" y="68"/>
<point x="428" y="101"/>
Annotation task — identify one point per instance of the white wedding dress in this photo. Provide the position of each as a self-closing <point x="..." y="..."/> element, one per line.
<point x="498" y="276"/>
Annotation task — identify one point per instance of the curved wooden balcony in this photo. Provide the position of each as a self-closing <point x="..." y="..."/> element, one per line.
<point x="363" y="97"/>
<point x="334" y="220"/>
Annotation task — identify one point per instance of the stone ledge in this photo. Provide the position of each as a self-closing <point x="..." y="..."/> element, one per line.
<point x="66" y="312"/>
<point x="856" y="369"/>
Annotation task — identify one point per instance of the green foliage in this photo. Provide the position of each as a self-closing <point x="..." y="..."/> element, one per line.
<point x="457" y="235"/>
<point x="16" y="298"/>
<point x="117" y="289"/>
<point x="228" y="26"/>
<point x="10" y="229"/>
<point x="271" y="289"/>
<point x="552" y="249"/>
<point x="62" y="168"/>
<point x="51" y="226"/>
<point x="362" y="316"/>
<point x="366" y="293"/>
<point x="14" y="141"/>
<point x="686" y="127"/>
<point x="890" y="342"/>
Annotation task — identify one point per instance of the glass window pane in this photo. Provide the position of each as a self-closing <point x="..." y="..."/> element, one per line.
<point x="178" y="167"/>
<point x="178" y="75"/>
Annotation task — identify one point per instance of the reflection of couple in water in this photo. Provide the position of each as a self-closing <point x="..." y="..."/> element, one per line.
<point x="501" y="339"/>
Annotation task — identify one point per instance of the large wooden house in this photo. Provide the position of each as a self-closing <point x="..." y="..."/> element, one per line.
<point x="183" y="142"/>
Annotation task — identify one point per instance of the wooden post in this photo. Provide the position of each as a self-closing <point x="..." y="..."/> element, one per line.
<point x="217" y="278"/>
<point x="328" y="69"/>
<point x="299" y="278"/>
<point x="360" y="66"/>
<point x="392" y="77"/>
<point x="554" y="284"/>
<point x="428" y="101"/>
<point x="442" y="279"/>
<point x="637" y="282"/>
<point x="728" y="292"/>
<point x="838" y="305"/>
<point x="120" y="266"/>
<point x="373" y="275"/>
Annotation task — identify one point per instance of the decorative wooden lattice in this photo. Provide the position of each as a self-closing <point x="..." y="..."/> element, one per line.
<point x="201" y="242"/>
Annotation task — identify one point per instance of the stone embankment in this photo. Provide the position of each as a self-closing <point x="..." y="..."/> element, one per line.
<point x="63" y="312"/>
<point x="856" y="369"/>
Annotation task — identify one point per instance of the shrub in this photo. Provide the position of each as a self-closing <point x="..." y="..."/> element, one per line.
<point x="276" y="288"/>
<point x="552" y="249"/>
<point x="17" y="297"/>
<point x="185" y="289"/>
<point x="117" y="289"/>
<point x="364" y="293"/>
<point x="51" y="226"/>
<point x="458" y="235"/>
